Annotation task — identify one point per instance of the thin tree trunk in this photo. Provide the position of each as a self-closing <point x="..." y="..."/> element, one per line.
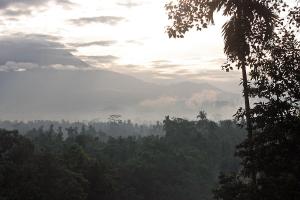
<point x="246" y="98"/>
<point x="247" y="106"/>
<point x="249" y="123"/>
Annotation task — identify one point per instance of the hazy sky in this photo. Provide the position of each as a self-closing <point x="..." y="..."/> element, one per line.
<point x="122" y="35"/>
<point x="127" y="36"/>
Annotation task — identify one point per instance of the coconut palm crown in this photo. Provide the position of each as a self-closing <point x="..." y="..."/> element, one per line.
<point x="250" y="21"/>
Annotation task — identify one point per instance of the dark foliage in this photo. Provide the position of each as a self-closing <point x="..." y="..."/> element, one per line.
<point x="273" y="152"/>
<point x="183" y="164"/>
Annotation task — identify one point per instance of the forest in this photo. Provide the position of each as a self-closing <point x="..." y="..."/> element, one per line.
<point x="182" y="162"/>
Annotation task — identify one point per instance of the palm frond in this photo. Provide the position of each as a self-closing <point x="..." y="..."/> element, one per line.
<point x="235" y="43"/>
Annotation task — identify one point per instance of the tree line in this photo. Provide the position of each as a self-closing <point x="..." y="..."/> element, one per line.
<point x="184" y="163"/>
<point x="113" y="127"/>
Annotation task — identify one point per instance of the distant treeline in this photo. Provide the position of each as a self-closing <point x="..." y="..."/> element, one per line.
<point x="114" y="127"/>
<point x="86" y="164"/>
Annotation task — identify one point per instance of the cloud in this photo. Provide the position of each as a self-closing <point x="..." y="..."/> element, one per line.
<point x="94" y="43"/>
<point x="46" y="37"/>
<point x="136" y="42"/>
<point x="217" y="61"/>
<point x="164" y="69"/>
<point x="217" y="75"/>
<point x="162" y="101"/>
<point x="110" y="20"/>
<point x="104" y="61"/>
<point x="12" y="66"/>
<point x="18" y="67"/>
<point x="65" y="67"/>
<point x="31" y="3"/>
<point x="99" y="59"/>
<point x="164" y="64"/>
<point x="183" y="99"/>
<point x="129" y="4"/>
<point x="37" y="49"/>
<point x="183" y="71"/>
<point x="197" y="99"/>
<point x="16" y="12"/>
<point x="8" y="3"/>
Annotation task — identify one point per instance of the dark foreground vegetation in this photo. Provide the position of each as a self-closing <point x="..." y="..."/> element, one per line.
<point x="72" y="163"/>
<point x="261" y="38"/>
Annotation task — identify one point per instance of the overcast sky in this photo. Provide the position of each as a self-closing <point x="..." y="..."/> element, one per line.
<point x="127" y="36"/>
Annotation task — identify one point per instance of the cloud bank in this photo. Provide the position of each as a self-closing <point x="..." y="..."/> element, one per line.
<point x="109" y="20"/>
<point x="30" y="3"/>
<point x="37" y="50"/>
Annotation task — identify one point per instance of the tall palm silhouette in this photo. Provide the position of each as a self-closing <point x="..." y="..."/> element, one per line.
<point x="238" y="33"/>
<point x="251" y="23"/>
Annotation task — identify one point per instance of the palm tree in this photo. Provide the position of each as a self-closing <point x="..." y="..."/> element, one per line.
<point x="251" y="23"/>
<point x="238" y="33"/>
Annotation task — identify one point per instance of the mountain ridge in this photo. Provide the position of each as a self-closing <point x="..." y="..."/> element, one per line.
<point x="67" y="92"/>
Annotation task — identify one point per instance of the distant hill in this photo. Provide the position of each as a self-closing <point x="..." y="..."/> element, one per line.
<point x="89" y="94"/>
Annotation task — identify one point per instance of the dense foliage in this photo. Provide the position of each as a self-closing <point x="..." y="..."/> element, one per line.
<point x="259" y="37"/>
<point x="182" y="164"/>
<point x="272" y="154"/>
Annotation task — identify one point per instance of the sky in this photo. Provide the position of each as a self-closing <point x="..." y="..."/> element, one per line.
<point x="55" y="53"/>
<point x="127" y="36"/>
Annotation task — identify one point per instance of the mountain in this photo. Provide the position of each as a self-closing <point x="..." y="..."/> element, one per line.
<point x="89" y="94"/>
<point x="41" y="79"/>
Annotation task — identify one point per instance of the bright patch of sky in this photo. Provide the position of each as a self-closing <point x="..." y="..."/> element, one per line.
<point x="132" y="31"/>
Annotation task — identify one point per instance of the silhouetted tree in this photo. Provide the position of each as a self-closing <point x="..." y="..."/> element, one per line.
<point x="276" y="117"/>
<point x="202" y="115"/>
<point x="251" y="22"/>
<point x="250" y="26"/>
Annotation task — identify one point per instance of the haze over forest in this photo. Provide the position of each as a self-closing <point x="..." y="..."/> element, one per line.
<point x="77" y="61"/>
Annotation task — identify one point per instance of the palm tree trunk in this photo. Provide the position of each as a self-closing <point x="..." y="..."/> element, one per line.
<point x="249" y="123"/>
<point x="247" y="109"/>
<point x="246" y="98"/>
